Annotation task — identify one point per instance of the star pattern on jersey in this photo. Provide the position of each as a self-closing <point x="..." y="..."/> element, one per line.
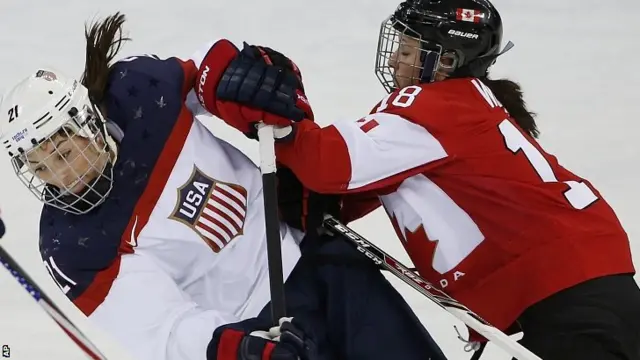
<point x="138" y="113"/>
<point x="133" y="91"/>
<point x="82" y="241"/>
<point x="161" y="103"/>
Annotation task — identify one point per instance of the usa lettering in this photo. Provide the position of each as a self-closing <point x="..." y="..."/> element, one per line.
<point x="191" y="205"/>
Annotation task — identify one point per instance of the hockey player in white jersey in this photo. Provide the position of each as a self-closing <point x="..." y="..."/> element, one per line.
<point x="154" y="227"/>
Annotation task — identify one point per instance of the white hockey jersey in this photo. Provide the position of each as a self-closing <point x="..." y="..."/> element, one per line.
<point x="179" y="247"/>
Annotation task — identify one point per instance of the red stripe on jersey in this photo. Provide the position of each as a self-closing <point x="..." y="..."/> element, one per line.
<point x="227" y="217"/>
<point x="219" y="224"/>
<point x="233" y="209"/>
<point x="212" y="244"/>
<point x="96" y="293"/>
<point x="232" y="197"/>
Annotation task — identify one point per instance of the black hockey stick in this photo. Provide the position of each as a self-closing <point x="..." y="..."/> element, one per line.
<point x="272" y="222"/>
<point x="471" y="319"/>
<point x="49" y="307"/>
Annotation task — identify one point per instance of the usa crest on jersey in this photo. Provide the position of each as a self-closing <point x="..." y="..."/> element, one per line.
<point x="215" y="210"/>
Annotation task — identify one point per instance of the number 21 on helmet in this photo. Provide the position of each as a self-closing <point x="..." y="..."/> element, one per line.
<point x="57" y="141"/>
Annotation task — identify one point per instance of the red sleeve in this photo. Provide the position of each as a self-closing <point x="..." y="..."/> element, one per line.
<point x="374" y="152"/>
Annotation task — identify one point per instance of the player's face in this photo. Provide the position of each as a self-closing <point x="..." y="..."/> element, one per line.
<point x="405" y="62"/>
<point x="66" y="161"/>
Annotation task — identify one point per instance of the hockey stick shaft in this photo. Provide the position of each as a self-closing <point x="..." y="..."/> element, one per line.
<point x="272" y="222"/>
<point x="471" y="319"/>
<point x="48" y="305"/>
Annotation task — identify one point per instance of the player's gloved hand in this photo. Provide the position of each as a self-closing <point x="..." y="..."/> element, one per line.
<point x="300" y="207"/>
<point x="208" y="76"/>
<point x="241" y="341"/>
<point x="261" y="84"/>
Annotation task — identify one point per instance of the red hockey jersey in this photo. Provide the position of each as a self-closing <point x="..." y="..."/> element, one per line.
<point x="483" y="211"/>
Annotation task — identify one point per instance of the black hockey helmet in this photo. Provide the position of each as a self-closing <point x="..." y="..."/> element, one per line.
<point x="458" y="37"/>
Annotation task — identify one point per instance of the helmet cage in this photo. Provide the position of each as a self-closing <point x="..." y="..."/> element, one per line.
<point x="86" y="153"/>
<point x="433" y="59"/>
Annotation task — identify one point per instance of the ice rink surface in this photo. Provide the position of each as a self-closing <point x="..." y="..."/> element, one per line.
<point x="576" y="60"/>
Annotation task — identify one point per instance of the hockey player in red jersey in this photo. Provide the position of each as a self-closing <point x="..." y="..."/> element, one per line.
<point x="483" y="211"/>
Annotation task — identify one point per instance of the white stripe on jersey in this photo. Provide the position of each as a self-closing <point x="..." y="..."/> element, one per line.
<point x="392" y="146"/>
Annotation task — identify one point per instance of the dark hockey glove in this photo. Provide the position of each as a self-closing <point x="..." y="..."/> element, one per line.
<point x="261" y="84"/>
<point x="300" y="207"/>
<point x="241" y="341"/>
<point x="2" y="229"/>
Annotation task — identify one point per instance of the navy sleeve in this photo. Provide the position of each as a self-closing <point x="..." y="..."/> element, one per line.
<point x="141" y="86"/>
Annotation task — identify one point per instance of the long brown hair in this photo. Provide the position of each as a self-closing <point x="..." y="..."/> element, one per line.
<point x="104" y="40"/>
<point x="509" y="93"/>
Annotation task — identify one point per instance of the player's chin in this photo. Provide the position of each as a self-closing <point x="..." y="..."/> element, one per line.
<point x="79" y="186"/>
<point x="76" y="188"/>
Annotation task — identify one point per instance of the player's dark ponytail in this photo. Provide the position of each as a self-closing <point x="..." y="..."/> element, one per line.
<point x="509" y="94"/>
<point x="104" y="40"/>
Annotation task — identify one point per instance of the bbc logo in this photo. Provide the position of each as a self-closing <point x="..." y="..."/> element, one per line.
<point x="6" y="352"/>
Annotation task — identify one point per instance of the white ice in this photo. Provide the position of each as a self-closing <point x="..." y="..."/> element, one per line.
<point x="577" y="61"/>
